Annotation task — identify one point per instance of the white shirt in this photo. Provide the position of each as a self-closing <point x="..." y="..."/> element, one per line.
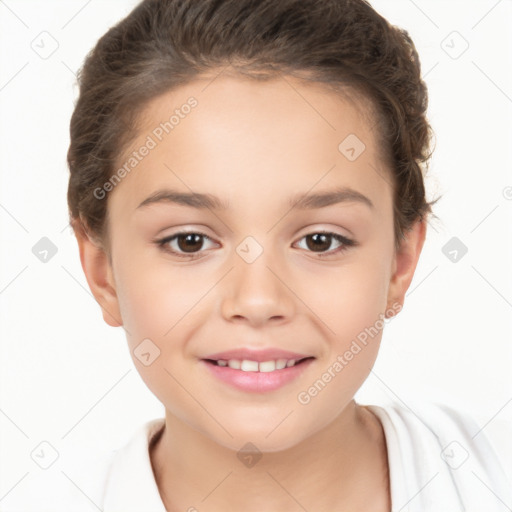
<point x="439" y="460"/>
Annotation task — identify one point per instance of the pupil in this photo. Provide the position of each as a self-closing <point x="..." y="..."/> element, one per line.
<point x="323" y="243"/>
<point x="189" y="247"/>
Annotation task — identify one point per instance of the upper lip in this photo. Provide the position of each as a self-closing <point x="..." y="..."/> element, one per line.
<point x="268" y="354"/>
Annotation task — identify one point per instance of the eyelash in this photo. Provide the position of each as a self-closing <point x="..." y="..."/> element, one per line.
<point x="163" y="243"/>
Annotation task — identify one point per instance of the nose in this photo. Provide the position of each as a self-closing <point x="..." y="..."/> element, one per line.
<point x="256" y="293"/>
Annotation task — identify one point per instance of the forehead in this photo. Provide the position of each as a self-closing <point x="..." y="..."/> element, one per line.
<point x="243" y="137"/>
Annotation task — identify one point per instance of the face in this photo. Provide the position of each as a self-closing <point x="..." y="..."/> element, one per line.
<point x="248" y="266"/>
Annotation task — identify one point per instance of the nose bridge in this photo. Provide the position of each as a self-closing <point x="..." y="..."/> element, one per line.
<point x="256" y="289"/>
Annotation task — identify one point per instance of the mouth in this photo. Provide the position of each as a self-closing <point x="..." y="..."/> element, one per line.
<point x="248" y="365"/>
<point x="257" y="376"/>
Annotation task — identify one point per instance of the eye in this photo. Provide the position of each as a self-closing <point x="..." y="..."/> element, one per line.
<point x="185" y="244"/>
<point x="188" y="244"/>
<point x="322" y="240"/>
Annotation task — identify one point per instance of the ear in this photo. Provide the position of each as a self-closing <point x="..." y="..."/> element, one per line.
<point x="98" y="272"/>
<point x="405" y="261"/>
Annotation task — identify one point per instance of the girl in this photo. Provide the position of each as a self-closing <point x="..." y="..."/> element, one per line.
<point x="247" y="194"/>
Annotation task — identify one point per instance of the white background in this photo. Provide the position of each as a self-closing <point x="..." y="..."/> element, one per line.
<point x="67" y="378"/>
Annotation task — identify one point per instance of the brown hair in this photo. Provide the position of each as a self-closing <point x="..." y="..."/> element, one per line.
<point x="162" y="44"/>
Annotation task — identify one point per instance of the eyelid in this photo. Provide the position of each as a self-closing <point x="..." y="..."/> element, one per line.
<point x="345" y="241"/>
<point x="164" y="241"/>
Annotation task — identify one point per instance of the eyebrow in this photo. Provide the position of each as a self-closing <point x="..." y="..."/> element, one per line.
<point x="321" y="200"/>
<point x="301" y="201"/>
<point x="192" y="199"/>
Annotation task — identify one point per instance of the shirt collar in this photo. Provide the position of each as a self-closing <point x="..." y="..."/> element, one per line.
<point x="131" y="484"/>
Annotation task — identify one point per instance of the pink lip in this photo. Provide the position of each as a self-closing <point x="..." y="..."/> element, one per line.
<point x="268" y="354"/>
<point x="257" y="382"/>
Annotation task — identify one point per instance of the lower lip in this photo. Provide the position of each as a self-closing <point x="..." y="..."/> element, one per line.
<point x="257" y="382"/>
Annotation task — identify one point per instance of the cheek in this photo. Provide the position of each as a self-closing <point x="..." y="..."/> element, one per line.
<point x="157" y="311"/>
<point x="155" y="299"/>
<point x="350" y="298"/>
<point x="353" y="309"/>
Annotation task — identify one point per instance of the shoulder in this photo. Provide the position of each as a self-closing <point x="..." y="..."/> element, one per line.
<point x="444" y="454"/>
<point x="117" y="480"/>
<point x="130" y="484"/>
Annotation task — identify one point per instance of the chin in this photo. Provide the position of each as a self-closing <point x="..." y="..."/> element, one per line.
<point x="256" y="443"/>
<point x="266" y="437"/>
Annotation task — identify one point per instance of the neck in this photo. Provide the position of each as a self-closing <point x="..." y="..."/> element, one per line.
<point x="331" y="470"/>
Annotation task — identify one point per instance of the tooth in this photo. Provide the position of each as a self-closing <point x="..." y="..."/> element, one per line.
<point x="280" y="364"/>
<point x="267" y="366"/>
<point x="249" y="366"/>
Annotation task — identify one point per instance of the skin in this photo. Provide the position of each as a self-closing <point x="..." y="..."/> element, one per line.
<point x="256" y="145"/>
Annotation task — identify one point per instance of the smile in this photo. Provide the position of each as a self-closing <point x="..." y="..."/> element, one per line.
<point x="253" y="376"/>
<point x="247" y="365"/>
